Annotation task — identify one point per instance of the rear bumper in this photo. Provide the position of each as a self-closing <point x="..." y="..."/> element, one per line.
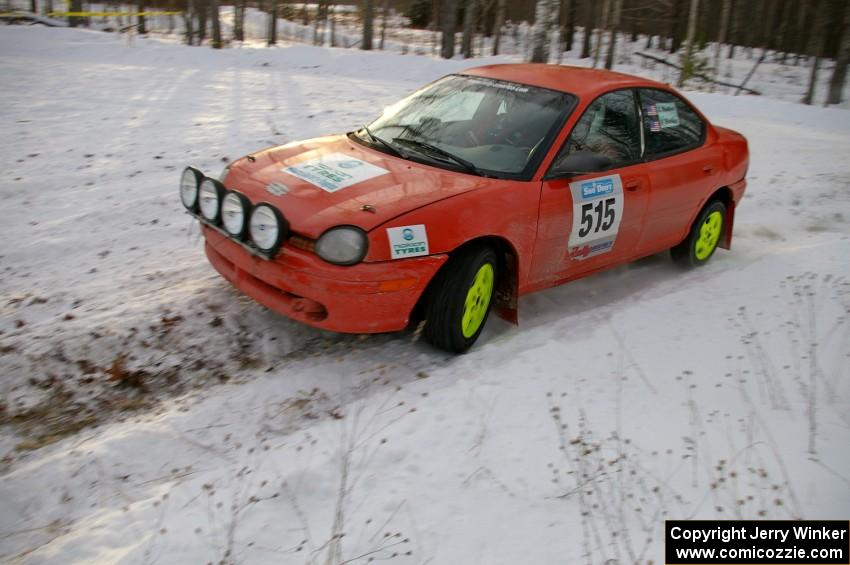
<point x="364" y="298"/>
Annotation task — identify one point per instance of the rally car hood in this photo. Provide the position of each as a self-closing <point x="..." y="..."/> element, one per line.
<point x="331" y="181"/>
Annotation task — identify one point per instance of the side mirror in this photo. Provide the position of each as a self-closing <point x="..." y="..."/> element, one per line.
<point x="581" y="162"/>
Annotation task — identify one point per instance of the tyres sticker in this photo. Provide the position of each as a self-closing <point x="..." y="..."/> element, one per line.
<point x="597" y="210"/>
<point x="335" y="171"/>
<point x="408" y="241"/>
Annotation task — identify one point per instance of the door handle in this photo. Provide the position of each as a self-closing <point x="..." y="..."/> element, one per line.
<point x="633" y="185"/>
<point x="708" y="169"/>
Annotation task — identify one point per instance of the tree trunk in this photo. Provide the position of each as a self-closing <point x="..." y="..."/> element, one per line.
<point x="201" y="10"/>
<point x="76" y="6"/>
<point x="565" y="22"/>
<point x="216" y="24"/>
<point x="469" y="16"/>
<point x="140" y="19"/>
<point x="839" y="74"/>
<point x="589" y="24"/>
<point x="612" y="38"/>
<point x="368" y="15"/>
<point x="544" y="20"/>
<point x="675" y="35"/>
<point x="271" y="34"/>
<point x="818" y="39"/>
<point x="385" y="14"/>
<point x="187" y="22"/>
<point x="804" y="24"/>
<point x="603" y="24"/>
<point x="780" y="40"/>
<point x="687" y="65"/>
<point x="499" y="23"/>
<point x="449" y="25"/>
<point x="317" y="24"/>
<point x="239" y="20"/>
<point x="332" y="16"/>
<point x="721" y="37"/>
<point x="733" y="28"/>
<point x="33" y="7"/>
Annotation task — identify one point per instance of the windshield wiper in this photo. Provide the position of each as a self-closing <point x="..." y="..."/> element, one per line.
<point x="468" y="165"/>
<point x="378" y="141"/>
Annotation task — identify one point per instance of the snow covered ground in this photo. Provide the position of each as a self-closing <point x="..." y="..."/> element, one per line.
<point x="151" y="414"/>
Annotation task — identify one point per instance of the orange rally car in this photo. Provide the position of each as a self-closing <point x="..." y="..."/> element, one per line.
<point x="472" y="191"/>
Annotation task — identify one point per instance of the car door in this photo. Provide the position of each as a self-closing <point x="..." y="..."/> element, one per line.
<point x="682" y="166"/>
<point x="593" y="219"/>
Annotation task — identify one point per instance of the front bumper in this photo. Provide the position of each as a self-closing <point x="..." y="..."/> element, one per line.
<point x="364" y="298"/>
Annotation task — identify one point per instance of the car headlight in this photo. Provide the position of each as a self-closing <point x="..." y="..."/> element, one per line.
<point x="189" y="183"/>
<point x="234" y="213"/>
<point x="344" y="245"/>
<point x="210" y="195"/>
<point x="268" y="228"/>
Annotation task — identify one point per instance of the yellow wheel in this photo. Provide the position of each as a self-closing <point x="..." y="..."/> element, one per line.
<point x="477" y="302"/>
<point x="460" y="298"/>
<point x="703" y="238"/>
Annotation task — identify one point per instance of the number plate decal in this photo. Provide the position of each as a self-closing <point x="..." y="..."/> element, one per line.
<point x="597" y="210"/>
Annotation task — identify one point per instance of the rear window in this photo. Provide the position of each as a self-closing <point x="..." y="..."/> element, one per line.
<point x="669" y="124"/>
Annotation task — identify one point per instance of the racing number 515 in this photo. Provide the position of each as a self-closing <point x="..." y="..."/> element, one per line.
<point x="598" y="216"/>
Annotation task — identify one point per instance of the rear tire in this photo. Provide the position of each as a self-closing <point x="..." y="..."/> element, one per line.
<point x="706" y="233"/>
<point x="460" y="299"/>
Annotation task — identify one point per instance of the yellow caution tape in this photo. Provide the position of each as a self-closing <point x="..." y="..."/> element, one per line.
<point x="91" y="14"/>
<point x="108" y="14"/>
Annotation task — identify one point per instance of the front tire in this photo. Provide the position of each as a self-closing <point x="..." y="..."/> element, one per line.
<point x="702" y="240"/>
<point x="460" y="300"/>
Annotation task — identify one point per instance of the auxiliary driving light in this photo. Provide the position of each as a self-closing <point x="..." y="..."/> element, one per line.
<point x="268" y="228"/>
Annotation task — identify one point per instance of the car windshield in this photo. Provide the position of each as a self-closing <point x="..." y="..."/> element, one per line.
<point x="482" y="126"/>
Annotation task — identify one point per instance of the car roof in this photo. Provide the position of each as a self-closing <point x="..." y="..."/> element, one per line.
<point x="581" y="81"/>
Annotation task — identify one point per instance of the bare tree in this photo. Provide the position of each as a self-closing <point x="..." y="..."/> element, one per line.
<point x="497" y="26"/>
<point x="818" y="40"/>
<point x="781" y="41"/>
<point x="449" y="25"/>
<point x="615" y="25"/>
<point x="368" y="15"/>
<point x="589" y="24"/>
<point x="721" y="37"/>
<point x="733" y="30"/>
<point x="675" y="25"/>
<point x="687" y="65"/>
<point x="239" y="20"/>
<point x="545" y="18"/>
<point x="469" y="21"/>
<point x="597" y="51"/>
<point x="216" y="24"/>
<point x="319" y="23"/>
<point x="839" y="74"/>
<point x="140" y="18"/>
<point x="385" y="15"/>
<point x="565" y="32"/>
<point x="187" y="22"/>
<point x="271" y="36"/>
<point x="332" y="17"/>
<point x="201" y="10"/>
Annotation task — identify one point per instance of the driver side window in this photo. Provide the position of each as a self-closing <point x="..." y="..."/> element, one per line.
<point x="609" y="127"/>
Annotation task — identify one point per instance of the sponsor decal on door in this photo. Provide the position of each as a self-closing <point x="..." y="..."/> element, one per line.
<point x="597" y="210"/>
